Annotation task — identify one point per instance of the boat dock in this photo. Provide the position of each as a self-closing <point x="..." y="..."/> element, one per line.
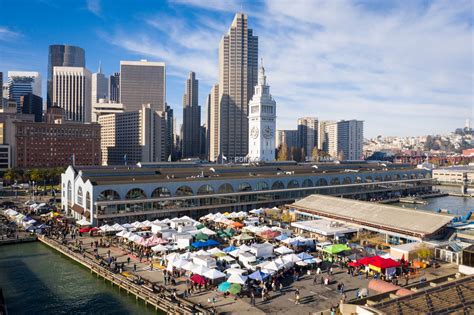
<point x="161" y="302"/>
<point x="21" y="239"/>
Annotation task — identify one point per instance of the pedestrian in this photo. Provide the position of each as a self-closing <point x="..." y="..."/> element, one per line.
<point x="318" y="271"/>
<point x="281" y="287"/>
<point x="151" y="266"/>
<point x="342" y="287"/>
<point x="128" y="260"/>
<point x="330" y="271"/>
<point x="315" y="279"/>
<point x="263" y="294"/>
<point x="134" y="267"/>
<point x="252" y="298"/>
<point x="367" y="274"/>
<point x="297" y="296"/>
<point x="357" y="293"/>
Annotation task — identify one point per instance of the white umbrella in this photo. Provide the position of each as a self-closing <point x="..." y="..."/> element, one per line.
<point x="214" y="274"/>
<point x="236" y="278"/>
<point x="301" y="263"/>
<point x="133" y="237"/>
<point x="235" y="271"/>
<point x="159" y="248"/>
<point x="199" y="269"/>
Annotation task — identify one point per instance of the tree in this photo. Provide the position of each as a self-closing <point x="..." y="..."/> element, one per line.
<point x="34" y="175"/>
<point x="423" y="252"/>
<point x="315" y="154"/>
<point x="10" y="175"/>
<point x="283" y="153"/>
<point x="296" y="154"/>
<point x="340" y="156"/>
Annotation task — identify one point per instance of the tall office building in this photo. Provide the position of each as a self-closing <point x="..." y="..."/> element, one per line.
<point x="169" y="132"/>
<point x="21" y="83"/>
<point x="142" y="82"/>
<point x="323" y="135"/>
<point x="238" y="68"/>
<point x="345" y="139"/>
<point x="287" y="137"/>
<point x="213" y="123"/>
<point x="262" y="122"/>
<point x="191" y="118"/>
<point x="133" y="136"/>
<point x="308" y="134"/>
<point x="62" y="56"/>
<point x="100" y="86"/>
<point x="32" y="104"/>
<point x="72" y="92"/>
<point x="114" y="87"/>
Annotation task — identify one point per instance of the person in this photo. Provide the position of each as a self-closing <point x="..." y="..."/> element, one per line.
<point x="128" y="260"/>
<point x="342" y="287"/>
<point x="318" y="271"/>
<point x="134" y="267"/>
<point x="263" y="294"/>
<point x="330" y="271"/>
<point x="357" y="293"/>
<point x="281" y="286"/>
<point x="315" y="280"/>
<point x="252" y="298"/>
<point x="297" y="296"/>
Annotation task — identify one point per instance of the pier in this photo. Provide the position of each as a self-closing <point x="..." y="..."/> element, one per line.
<point x="21" y="239"/>
<point x="163" y="301"/>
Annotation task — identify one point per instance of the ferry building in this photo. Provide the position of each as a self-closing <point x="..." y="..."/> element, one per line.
<point x="108" y="194"/>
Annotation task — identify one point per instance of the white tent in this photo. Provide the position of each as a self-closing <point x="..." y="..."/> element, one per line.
<point x="207" y="231"/>
<point x="235" y="253"/>
<point x="244" y="248"/>
<point x="179" y="263"/>
<point x="235" y="270"/>
<point x="236" y="278"/>
<point x="134" y="238"/>
<point x="147" y="223"/>
<point x="172" y="256"/>
<point x="83" y="222"/>
<point x="127" y="226"/>
<point x="189" y="266"/>
<point x="187" y="255"/>
<point x="283" y="250"/>
<point x="137" y="224"/>
<point x="199" y="269"/>
<point x="292" y="258"/>
<point x="215" y="251"/>
<point x="202" y="252"/>
<point x="214" y="274"/>
<point x="159" y="248"/>
<point x="272" y="266"/>
<point x="121" y="233"/>
<point x="118" y="227"/>
<point x="104" y="228"/>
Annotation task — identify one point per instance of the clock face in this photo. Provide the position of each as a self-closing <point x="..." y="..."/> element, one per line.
<point x="267" y="132"/>
<point x="254" y="132"/>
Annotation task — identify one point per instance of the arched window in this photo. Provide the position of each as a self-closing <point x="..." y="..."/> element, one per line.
<point x="161" y="192"/>
<point x="278" y="185"/>
<point x="368" y="179"/>
<point x="420" y="175"/>
<point x="335" y="181"/>
<point x="262" y="186"/>
<point x="88" y="201"/>
<point x="293" y="184"/>
<point x="387" y="178"/>
<point x="79" y="196"/>
<point x="69" y="192"/>
<point x="378" y="178"/>
<point x="184" y="191"/>
<point x="405" y="176"/>
<point x="397" y="177"/>
<point x="205" y="190"/>
<point x="244" y="187"/>
<point x="322" y="182"/>
<point x="225" y="189"/>
<point x="358" y="180"/>
<point x="108" y="195"/>
<point x="427" y="175"/>
<point x="135" y="193"/>
<point x="307" y="183"/>
<point x="347" y="180"/>
<point x="413" y="176"/>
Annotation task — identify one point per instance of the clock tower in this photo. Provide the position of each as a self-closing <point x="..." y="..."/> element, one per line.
<point x="262" y="122"/>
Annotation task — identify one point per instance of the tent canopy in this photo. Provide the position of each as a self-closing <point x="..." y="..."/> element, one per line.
<point x="258" y="275"/>
<point x="336" y="248"/>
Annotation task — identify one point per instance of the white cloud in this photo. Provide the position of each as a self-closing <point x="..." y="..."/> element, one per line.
<point x="403" y="69"/>
<point x="6" y="34"/>
<point x="94" y="7"/>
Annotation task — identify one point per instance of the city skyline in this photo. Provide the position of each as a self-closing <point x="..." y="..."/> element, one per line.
<point x="410" y="75"/>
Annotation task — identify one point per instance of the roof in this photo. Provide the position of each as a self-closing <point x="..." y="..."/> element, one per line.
<point x="324" y="227"/>
<point x="390" y="218"/>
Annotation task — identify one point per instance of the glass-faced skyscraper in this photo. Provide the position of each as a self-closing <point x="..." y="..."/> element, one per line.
<point x="191" y="146"/>
<point x="238" y="71"/>
<point x="62" y="56"/>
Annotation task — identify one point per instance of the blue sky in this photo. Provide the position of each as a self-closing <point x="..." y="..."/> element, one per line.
<point x="404" y="67"/>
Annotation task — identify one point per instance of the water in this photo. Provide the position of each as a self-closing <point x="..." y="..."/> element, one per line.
<point x="455" y="205"/>
<point x="38" y="280"/>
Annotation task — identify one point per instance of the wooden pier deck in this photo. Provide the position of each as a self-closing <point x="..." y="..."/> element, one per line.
<point x="164" y="302"/>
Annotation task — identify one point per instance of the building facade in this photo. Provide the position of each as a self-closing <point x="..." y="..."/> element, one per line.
<point x="32" y="104"/>
<point x="114" y="87"/>
<point x="56" y="143"/>
<point x="21" y="83"/>
<point x="72" y="92"/>
<point x="323" y="135"/>
<point x="345" y="139"/>
<point x="287" y="137"/>
<point x="130" y="137"/>
<point x="103" y="107"/>
<point x="238" y="67"/>
<point x="307" y="135"/>
<point x="158" y="190"/>
<point x="191" y="119"/>
<point x="262" y="122"/>
<point x="142" y="82"/>
<point x="213" y="123"/>
<point x="62" y="56"/>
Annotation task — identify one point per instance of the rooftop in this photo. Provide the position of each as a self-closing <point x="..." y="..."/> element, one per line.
<point x="390" y="218"/>
<point x="324" y="227"/>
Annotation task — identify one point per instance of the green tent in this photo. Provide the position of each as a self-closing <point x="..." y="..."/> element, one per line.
<point x="336" y="248"/>
<point x="235" y="289"/>
<point x="230" y="232"/>
<point x="200" y="226"/>
<point x="201" y="237"/>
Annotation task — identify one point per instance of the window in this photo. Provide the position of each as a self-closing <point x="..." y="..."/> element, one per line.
<point x="79" y="195"/>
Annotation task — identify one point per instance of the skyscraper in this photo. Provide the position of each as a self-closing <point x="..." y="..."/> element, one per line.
<point x="238" y="67"/>
<point x="323" y="135"/>
<point x="345" y="139"/>
<point x="308" y="134"/>
<point x="21" y="83"/>
<point x="262" y="122"/>
<point x="72" y="92"/>
<point x="32" y="104"/>
<point x="191" y="118"/>
<point x="114" y="87"/>
<point x="213" y="122"/>
<point x="287" y="137"/>
<point x="62" y="56"/>
<point x="100" y="86"/>
<point x="142" y="82"/>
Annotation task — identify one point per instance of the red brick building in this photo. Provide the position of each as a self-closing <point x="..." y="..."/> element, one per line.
<point x="53" y="144"/>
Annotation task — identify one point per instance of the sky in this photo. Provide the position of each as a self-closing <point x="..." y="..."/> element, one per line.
<point x="404" y="67"/>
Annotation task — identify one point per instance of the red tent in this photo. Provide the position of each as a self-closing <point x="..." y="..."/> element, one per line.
<point x="354" y="264"/>
<point x="198" y="279"/>
<point x="85" y="230"/>
<point x="383" y="263"/>
<point x="366" y="260"/>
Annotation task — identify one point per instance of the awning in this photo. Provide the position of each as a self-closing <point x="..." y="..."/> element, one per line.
<point x="77" y="208"/>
